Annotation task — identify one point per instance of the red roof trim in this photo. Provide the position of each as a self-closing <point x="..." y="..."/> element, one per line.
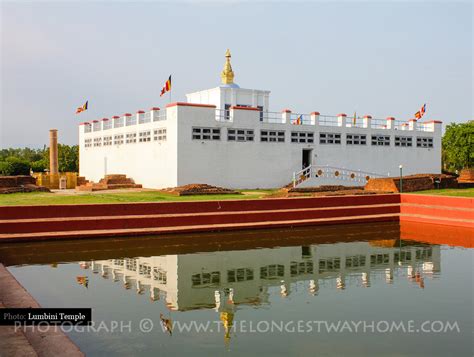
<point x="434" y="121"/>
<point x="155" y="108"/>
<point x="286" y="111"/>
<point x="85" y="123"/>
<point x="140" y="112"/>
<point x="244" y="108"/>
<point x="116" y="117"/>
<point x="95" y="121"/>
<point x="342" y="115"/>
<point x="183" y="104"/>
<point x="315" y="113"/>
<point x="367" y="117"/>
<point x="412" y="120"/>
<point x="390" y="118"/>
<point x="105" y="119"/>
<point x="127" y="115"/>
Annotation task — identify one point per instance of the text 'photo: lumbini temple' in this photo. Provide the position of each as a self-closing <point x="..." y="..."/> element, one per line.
<point x="324" y="217"/>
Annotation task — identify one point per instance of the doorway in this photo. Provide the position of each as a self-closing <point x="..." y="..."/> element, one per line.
<point x="306" y="158"/>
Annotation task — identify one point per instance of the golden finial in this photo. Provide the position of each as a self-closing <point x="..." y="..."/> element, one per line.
<point x="227" y="75"/>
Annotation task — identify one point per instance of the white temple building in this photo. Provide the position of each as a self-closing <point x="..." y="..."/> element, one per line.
<point x="227" y="136"/>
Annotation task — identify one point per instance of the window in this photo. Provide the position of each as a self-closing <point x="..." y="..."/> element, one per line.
<point x="118" y="139"/>
<point x="403" y="141"/>
<point x="131" y="138"/>
<point x="144" y="118"/>
<point x="329" y="264"/>
<point x="144" y="136"/>
<point x="353" y="139"/>
<point x="145" y="270"/>
<point x="106" y="124"/>
<point x="131" y="264"/>
<point x="302" y="137"/>
<point x="206" y="278"/>
<point x="159" y="134"/>
<point x="96" y="126"/>
<point x="355" y="261"/>
<point x="272" y="271"/>
<point x="239" y="135"/>
<point x="381" y="140"/>
<point x="88" y="143"/>
<point x="376" y="259"/>
<point x="227" y="111"/>
<point x="206" y="134"/>
<point x="237" y="275"/>
<point x="260" y="108"/>
<point x="297" y="268"/>
<point x="159" y="275"/>
<point x="97" y="142"/>
<point x="87" y="128"/>
<point x="329" y="138"/>
<point x="272" y="136"/>
<point x="107" y="141"/>
<point x="424" y="142"/>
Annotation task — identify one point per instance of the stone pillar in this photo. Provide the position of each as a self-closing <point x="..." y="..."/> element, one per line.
<point x="341" y="120"/>
<point x="53" y="152"/>
<point x="390" y="123"/>
<point x="315" y="118"/>
<point x="366" y="122"/>
<point x="286" y="116"/>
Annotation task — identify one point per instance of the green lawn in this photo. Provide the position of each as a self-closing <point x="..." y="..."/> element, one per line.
<point x="46" y="198"/>
<point x="460" y="192"/>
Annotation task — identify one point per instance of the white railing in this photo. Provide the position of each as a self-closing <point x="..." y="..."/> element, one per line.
<point x="273" y="118"/>
<point x="332" y="172"/>
<point x="328" y="120"/>
<point x="223" y="115"/>
<point x="302" y="175"/>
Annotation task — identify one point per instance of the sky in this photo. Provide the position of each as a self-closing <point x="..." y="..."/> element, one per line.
<point x="378" y="58"/>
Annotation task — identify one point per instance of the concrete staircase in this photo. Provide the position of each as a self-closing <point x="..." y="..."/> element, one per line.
<point x="82" y="221"/>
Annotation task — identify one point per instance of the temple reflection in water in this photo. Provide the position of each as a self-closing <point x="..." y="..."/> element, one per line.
<point x="223" y="280"/>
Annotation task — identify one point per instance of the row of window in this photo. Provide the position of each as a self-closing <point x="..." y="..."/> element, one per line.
<point x="278" y="136"/>
<point x="128" y="138"/>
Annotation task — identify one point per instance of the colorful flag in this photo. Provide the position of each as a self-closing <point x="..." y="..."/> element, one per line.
<point x="298" y="121"/>
<point x="166" y="87"/>
<point x="419" y="114"/>
<point x="83" y="280"/>
<point x="423" y="109"/>
<point x="354" y="120"/>
<point x="81" y="109"/>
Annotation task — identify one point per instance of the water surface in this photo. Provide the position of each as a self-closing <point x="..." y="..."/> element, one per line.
<point x="259" y="293"/>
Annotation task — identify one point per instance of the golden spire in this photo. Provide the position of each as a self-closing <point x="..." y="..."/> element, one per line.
<point x="227" y="75"/>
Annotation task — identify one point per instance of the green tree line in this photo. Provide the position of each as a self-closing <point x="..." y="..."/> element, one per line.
<point x="19" y="161"/>
<point x="458" y="146"/>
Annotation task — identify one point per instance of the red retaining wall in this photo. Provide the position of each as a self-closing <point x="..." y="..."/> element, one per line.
<point x="123" y="209"/>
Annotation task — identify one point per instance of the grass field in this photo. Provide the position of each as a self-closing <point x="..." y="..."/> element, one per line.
<point x="47" y="198"/>
<point x="465" y="192"/>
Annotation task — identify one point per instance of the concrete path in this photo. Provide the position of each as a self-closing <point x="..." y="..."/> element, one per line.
<point x="51" y="342"/>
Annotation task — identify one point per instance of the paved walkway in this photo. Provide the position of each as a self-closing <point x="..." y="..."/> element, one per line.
<point x="30" y="342"/>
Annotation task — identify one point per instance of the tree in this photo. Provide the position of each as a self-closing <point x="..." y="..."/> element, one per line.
<point x="458" y="146"/>
<point x="17" y="166"/>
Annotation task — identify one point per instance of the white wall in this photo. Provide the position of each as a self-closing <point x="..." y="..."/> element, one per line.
<point x="268" y="165"/>
<point x="152" y="164"/>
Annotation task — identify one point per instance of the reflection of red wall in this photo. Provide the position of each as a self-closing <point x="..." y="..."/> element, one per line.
<point x="437" y="234"/>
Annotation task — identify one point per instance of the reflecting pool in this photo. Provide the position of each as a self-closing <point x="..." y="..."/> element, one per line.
<point x="358" y="290"/>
